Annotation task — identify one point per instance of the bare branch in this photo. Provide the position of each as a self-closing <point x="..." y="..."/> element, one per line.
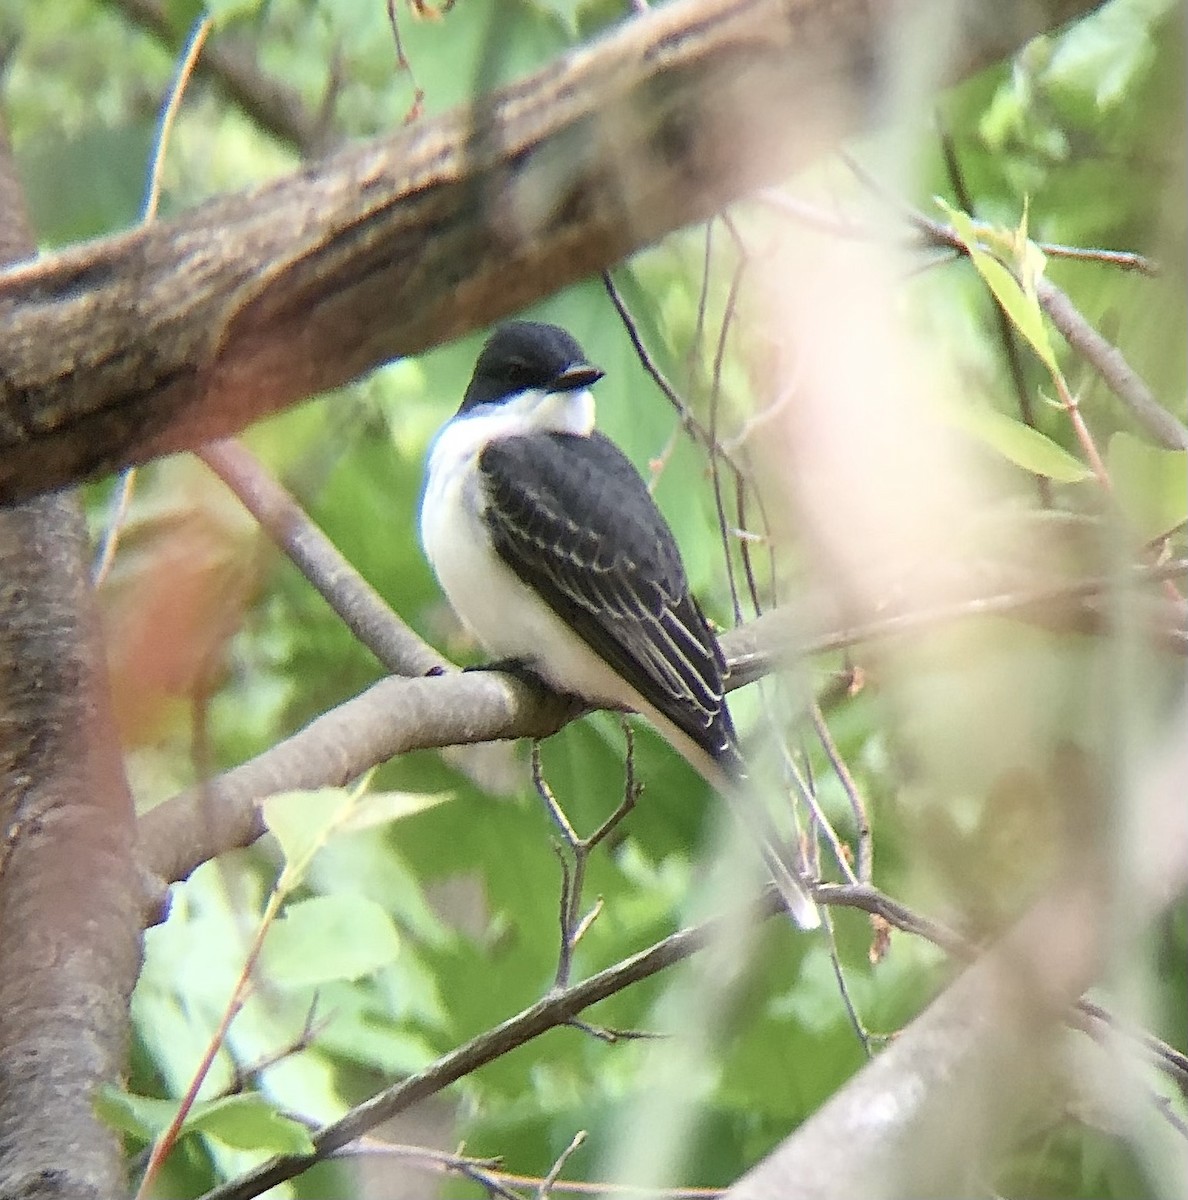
<point x="397" y="715"/>
<point x="573" y="879"/>
<point x="362" y="609"/>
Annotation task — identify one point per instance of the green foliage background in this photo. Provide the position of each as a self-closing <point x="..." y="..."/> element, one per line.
<point x="1078" y="129"/>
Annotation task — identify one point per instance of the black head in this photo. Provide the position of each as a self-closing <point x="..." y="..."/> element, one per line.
<point x="527" y="354"/>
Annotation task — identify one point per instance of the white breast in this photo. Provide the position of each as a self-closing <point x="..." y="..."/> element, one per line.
<point x="504" y="614"/>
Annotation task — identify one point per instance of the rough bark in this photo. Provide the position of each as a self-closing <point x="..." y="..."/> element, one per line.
<point x="174" y="334"/>
<point x="69" y="918"/>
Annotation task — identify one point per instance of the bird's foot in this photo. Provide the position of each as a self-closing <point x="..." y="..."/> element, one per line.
<point x="518" y="668"/>
<point x="568" y="706"/>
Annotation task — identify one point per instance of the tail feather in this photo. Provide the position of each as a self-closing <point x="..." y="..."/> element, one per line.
<point x="736" y="789"/>
<point x="718" y="761"/>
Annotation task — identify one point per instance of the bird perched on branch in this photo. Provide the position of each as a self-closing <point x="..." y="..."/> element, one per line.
<point x="551" y="550"/>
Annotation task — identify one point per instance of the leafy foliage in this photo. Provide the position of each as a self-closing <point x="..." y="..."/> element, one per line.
<point x="404" y="937"/>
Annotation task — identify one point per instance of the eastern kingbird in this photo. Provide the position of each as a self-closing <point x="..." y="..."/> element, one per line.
<point x="550" y="549"/>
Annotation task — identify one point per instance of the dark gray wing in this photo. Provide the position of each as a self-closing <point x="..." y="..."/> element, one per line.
<point x="574" y="520"/>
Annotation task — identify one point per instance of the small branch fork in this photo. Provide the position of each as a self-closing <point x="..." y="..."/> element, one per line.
<point x="574" y="923"/>
<point x="490" y="1174"/>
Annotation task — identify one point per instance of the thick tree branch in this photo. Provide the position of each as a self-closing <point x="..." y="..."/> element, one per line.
<point x="397" y="715"/>
<point x="174" y="334"/>
<point x="69" y="904"/>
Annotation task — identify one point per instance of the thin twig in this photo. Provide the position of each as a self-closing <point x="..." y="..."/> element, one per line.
<point x="865" y="864"/>
<point x="152" y="201"/>
<point x="686" y="415"/>
<point x="693" y="357"/>
<point x="860" y="1030"/>
<point x="403" y="64"/>
<point x="573" y="878"/>
<point x="185" y="70"/>
<point x="805" y="788"/>
<point x="715" y="450"/>
<point x="546" y="1184"/>
<point x="117" y="515"/>
<point x="312" y="1027"/>
<point x="361" y="608"/>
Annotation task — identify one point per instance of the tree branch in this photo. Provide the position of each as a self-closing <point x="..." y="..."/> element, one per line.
<point x="558" y="1008"/>
<point x="172" y="335"/>
<point x="231" y="63"/>
<point x="69" y="907"/>
<point x="397" y="715"/>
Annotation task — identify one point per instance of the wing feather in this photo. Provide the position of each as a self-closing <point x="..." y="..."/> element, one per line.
<point x="573" y="519"/>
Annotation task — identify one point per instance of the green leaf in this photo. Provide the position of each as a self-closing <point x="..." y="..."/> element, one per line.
<point x="315" y="941"/>
<point x="143" y="1117"/>
<point x="1151" y="484"/>
<point x="381" y="808"/>
<point x="1021" y="307"/>
<point x="249" y="1121"/>
<point x="302" y="822"/>
<point x="1018" y="443"/>
<point x="223" y="12"/>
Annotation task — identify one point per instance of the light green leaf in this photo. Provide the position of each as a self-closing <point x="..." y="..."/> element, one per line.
<point x="1021" y="307"/>
<point x="223" y="12"/>
<point x="302" y="822"/>
<point x="1151" y="484"/>
<point x="249" y="1121"/>
<point x="381" y="808"/>
<point x="1018" y="443"/>
<point x="143" y="1117"/>
<point x="343" y="936"/>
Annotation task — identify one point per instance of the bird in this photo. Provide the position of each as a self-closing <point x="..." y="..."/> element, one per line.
<point x="551" y="551"/>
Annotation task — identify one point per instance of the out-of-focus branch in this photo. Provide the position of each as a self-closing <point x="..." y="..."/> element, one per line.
<point x="231" y="63"/>
<point x="934" y="1110"/>
<point x="173" y="335"/>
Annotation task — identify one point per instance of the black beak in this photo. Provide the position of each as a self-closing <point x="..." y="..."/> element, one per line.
<point x="580" y="375"/>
